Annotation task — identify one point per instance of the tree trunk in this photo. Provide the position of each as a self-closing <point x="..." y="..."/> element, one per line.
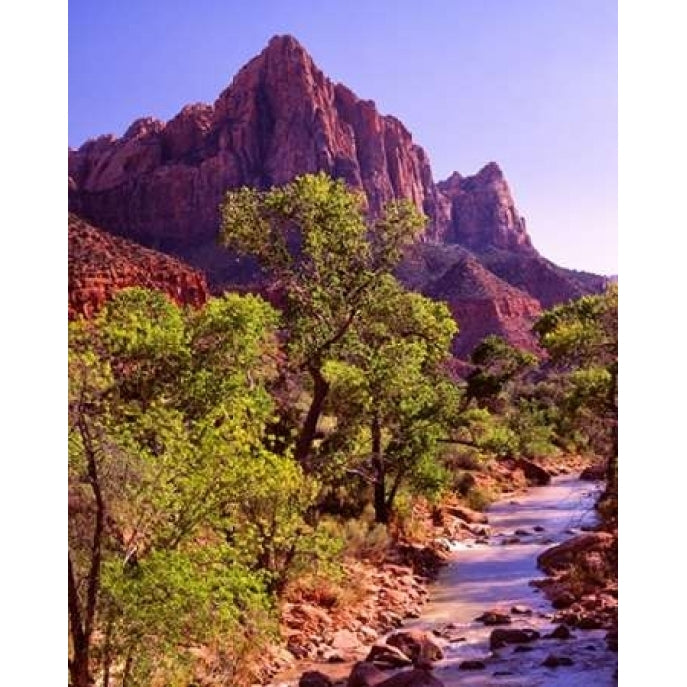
<point x="82" y="622"/>
<point x="309" y="429"/>
<point x="381" y="509"/>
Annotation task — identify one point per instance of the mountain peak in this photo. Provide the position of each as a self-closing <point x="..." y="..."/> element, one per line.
<point x="280" y="43"/>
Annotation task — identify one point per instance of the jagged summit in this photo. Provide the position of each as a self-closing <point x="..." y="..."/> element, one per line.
<point x="161" y="183"/>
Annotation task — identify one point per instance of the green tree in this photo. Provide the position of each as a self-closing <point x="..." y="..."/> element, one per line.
<point x="497" y="365"/>
<point x="391" y="393"/>
<point x="168" y="458"/>
<point x="325" y="259"/>
<point x="581" y="338"/>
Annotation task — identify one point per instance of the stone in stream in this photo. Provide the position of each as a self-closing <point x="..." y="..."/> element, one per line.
<point x="314" y="678"/>
<point x="522" y="533"/>
<point x="589" y="622"/>
<point x="416" y="644"/>
<point x="501" y="637"/>
<point x="534" y="473"/>
<point x="563" y="600"/>
<point x="552" y="661"/>
<point x="561" y="632"/>
<point x="412" y="678"/>
<point x="494" y="617"/>
<point x="519" y="609"/>
<point x="472" y="665"/>
<point x="388" y="656"/>
<point x="522" y="649"/>
<point x="539" y="528"/>
<point x="365" y="674"/>
<point x="467" y="514"/>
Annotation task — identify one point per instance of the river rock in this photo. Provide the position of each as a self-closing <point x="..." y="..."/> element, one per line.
<point x="560" y="556"/>
<point x="594" y="473"/>
<point x="563" y="600"/>
<point x="501" y="637"/>
<point x="388" y="656"/>
<point x="552" y="661"/>
<point x="589" y="622"/>
<point x="560" y="632"/>
<point x="470" y="516"/>
<point x="494" y="617"/>
<point x="472" y="665"/>
<point x="534" y="474"/>
<point x="519" y="609"/>
<point x="365" y="674"/>
<point x="314" y="678"/>
<point x="412" y="678"/>
<point x="416" y="644"/>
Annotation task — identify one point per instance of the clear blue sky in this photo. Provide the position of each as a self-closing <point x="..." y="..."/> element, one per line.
<point x="530" y="84"/>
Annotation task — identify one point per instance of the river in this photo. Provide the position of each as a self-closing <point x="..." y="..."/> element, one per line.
<point x="496" y="574"/>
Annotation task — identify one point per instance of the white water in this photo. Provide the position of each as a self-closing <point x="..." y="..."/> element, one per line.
<point x="485" y="576"/>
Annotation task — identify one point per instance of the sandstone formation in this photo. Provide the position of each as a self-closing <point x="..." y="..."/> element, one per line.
<point x="101" y="264"/>
<point x="481" y="303"/>
<point x="161" y="184"/>
<point x="281" y="116"/>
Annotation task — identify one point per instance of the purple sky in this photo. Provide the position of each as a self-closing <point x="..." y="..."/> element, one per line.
<point x="530" y="84"/>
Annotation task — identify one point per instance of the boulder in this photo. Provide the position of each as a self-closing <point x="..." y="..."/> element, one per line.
<point x="501" y="637"/>
<point x="388" y="656"/>
<point x="345" y="641"/>
<point x="560" y="556"/>
<point x="494" y="617"/>
<point x="519" y="609"/>
<point x="412" y="678"/>
<point x="594" y="473"/>
<point x="563" y="600"/>
<point x="365" y="674"/>
<point x="314" y="678"/>
<point x="560" y="632"/>
<point x="416" y="644"/>
<point x="552" y="661"/>
<point x="534" y="474"/>
<point x="472" y="665"/>
<point x="472" y="517"/>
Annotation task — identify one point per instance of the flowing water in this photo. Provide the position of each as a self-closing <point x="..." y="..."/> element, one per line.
<point x="496" y="574"/>
<point x="482" y="576"/>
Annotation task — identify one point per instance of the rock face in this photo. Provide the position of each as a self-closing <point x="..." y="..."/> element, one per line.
<point x="101" y="264"/>
<point x="281" y="116"/>
<point x="483" y="213"/>
<point x="161" y="184"/>
<point x="481" y="303"/>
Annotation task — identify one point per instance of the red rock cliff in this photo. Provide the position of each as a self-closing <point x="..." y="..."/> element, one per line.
<point x="280" y="117"/>
<point x="161" y="184"/>
<point x="101" y="264"/>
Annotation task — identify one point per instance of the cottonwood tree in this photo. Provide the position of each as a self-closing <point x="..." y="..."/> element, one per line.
<point x="581" y="338"/>
<point x="325" y="260"/>
<point x="167" y="460"/>
<point x="389" y="389"/>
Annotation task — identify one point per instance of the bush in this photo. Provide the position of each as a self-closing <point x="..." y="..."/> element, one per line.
<point x="480" y="498"/>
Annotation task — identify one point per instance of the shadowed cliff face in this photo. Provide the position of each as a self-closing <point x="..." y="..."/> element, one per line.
<point x="161" y="184"/>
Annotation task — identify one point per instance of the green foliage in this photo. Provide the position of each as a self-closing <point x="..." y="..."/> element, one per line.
<point x="183" y="519"/>
<point x="582" y="339"/>
<point x="311" y="235"/>
<point x="497" y="364"/>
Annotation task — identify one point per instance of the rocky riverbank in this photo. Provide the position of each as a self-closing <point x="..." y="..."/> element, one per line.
<point x="482" y="623"/>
